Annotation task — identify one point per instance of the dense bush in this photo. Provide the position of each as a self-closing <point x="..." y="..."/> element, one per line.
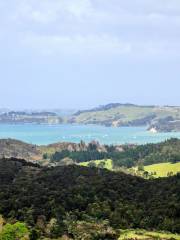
<point x="74" y="194"/>
<point x="80" y="156"/>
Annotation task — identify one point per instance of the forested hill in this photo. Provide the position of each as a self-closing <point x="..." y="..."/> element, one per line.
<point x="73" y="197"/>
<point x="121" y="155"/>
<point x="161" y="118"/>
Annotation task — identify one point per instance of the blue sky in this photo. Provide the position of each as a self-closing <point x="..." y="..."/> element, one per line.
<point x="83" y="53"/>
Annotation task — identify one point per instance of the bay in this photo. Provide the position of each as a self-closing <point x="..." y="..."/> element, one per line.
<point x="47" y="134"/>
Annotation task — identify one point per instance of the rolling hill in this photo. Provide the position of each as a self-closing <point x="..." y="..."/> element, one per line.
<point x="163" y="169"/>
<point x="18" y="149"/>
<point x="149" y="171"/>
<point x="162" y="158"/>
<point x="162" y="118"/>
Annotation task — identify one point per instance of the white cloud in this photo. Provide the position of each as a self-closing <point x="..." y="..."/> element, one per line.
<point x="78" y="44"/>
<point x="46" y="11"/>
<point x="100" y="45"/>
<point x="98" y="27"/>
<point x="79" y="8"/>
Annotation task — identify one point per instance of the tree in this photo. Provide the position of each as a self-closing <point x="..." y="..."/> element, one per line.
<point x="92" y="164"/>
<point x="45" y="156"/>
<point x="140" y="167"/>
<point x="169" y="174"/>
<point x="175" y="158"/>
<point x="146" y="174"/>
<point x="101" y="165"/>
<point x="14" y="231"/>
<point x="34" y="234"/>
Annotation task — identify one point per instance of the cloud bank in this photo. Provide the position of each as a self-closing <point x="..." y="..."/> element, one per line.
<point x="92" y="27"/>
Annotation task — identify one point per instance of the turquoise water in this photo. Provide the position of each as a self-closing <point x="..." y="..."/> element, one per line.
<point x="46" y="134"/>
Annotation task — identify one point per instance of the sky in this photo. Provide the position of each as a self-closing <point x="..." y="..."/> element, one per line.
<point x="84" y="53"/>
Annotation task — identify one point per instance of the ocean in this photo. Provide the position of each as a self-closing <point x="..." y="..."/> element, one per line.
<point x="47" y="134"/>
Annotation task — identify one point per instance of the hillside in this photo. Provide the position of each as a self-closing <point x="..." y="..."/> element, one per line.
<point x="75" y="200"/>
<point x="65" y="153"/>
<point x="168" y="124"/>
<point x="128" y="115"/>
<point x="18" y="149"/>
<point x="163" y="169"/>
<point x="156" y="118"/>
<point x="158" y="160"/>
<point x="127" y="156"/>
<point x="148" y="172"/>
<point x="12" y="148"/>
<point x="71" y="147"/>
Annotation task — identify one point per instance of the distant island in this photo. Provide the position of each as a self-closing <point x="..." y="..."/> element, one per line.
<point x="155" y="118"/>
<point x="15" y="117"/>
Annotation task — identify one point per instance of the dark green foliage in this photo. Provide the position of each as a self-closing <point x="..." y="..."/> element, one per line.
<point x="91" y="230"/>
<point x="45" y="156"/>
<point x="174" y="158"/>
<point x="101" y="165"/>
<point x="34" y="234"/>
<point x="91" y="164"/>
<point x="29" y="193"/>
<point x="168" y="151"/>
<point x="79" y="156"/>
<point x="91" y="153"/>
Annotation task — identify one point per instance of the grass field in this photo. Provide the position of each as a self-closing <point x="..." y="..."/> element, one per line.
<point x="140" y="235"/>
<point x="108" y="163"/>
<point x="146" y="235"/>
<point x="162" y="169"/>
